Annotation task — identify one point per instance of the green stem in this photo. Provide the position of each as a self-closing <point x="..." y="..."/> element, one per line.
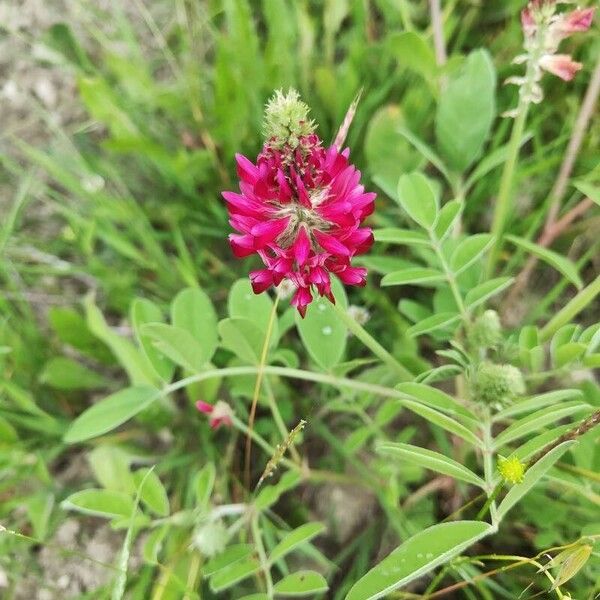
<point x="262" y="556"/>
<point x="573" y="308"/>
<point x="488" y="467"/>
<point x="450" y="277"/>
<point x="290" y="373"/>
<point x="370" y="342"/>
<point x="503" y="202"/>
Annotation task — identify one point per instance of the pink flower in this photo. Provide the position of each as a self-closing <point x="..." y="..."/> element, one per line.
<point x="528" y="22"/>
<point x="219" y="413"/>
<point x="561" y="65"/>
<point x="300" y="209"/>
<point x="576" y="20"/>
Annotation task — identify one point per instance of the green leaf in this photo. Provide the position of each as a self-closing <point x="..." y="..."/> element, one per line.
<point x="271" y="493"/>
<point x="433" y="323"/>
<point x="412" y="51"/>
<point x="447" y="217"/>
<point x="469" y="251"/>
<point x="538" y="402"/>
<point x="229" y="556"/>
<point x="109" y="413"/>
<point x="589" y="190"/>
<point x="300" y="584"/>
<point x="567" y="353"/>
<point x="179" y="345"/>
<point x="110" y="465"/>
<point x="434" y="461"/>
<point x="435" y="398"/>
<point x="243" y="302"/>
<point x="323" y="333"/>
<point x="61" y="39"/>
<point x="144" y="312"/>
<point x="154" y="544"/>
<point x="562" y="264"/>
<point x="532" y="476"/>
<point x="406" y="237"/>
<point x="388" y="153"/>
<point x="242" y="337"/>
<point x="101" y="503"/>
<point x="466" y="111"/>
<point x="63" y="373"/>
<point x="538" y="420"/>
<point x="443" y="421"/>
<point x="492" y="160"/>
<point x="417" y="556"/>
<point x="421" y="276"/>
<point x="127" y="355"/>
<point x="425" y="150"/>
<point x="484" y="291"/>
<point x="232" y="574"/>
<point x="418" y="198"/>
<point x="193" y="311"/>
<point x="153" y="493"/>
<point x="294" y="538"/>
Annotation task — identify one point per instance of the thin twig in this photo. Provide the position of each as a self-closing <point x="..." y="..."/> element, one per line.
<point x="437" y="26"/>
<point x="570" y="435"/>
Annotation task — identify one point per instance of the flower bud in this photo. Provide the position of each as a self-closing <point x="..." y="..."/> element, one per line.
<point x="486" y="331"/>
<point x="210" y="538"/>
<point x="358" y="313"/>
<point x="497" y="384"/>
<point x="511" y="469"/>
<point x="218" y="414"/>
<point x="561" y="65"/>
<point x="286" y="120"/>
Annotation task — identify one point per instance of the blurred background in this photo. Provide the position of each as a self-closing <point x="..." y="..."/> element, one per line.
<point x="119" y="121"/>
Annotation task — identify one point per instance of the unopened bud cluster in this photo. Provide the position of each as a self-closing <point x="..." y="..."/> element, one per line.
<point x="486" y="332"/>
<point x="286" y="120"/>
<point x="497" y="385"/>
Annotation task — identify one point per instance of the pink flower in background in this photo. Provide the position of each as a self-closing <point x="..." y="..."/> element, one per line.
<point x="218" y="414"/>
<point x="544" y="29"/>
<point x="561" y="65"/>
<point x="300" y="209"/>
<point x="576" y="21"/>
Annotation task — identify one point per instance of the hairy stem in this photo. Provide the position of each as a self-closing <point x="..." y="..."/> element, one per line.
<point x="488" y="467"/>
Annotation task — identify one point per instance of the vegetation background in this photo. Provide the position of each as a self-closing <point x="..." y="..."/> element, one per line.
<point x="119" y="124"/>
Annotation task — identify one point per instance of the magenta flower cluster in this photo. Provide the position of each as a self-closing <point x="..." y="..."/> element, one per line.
<point x="300" y="209"/>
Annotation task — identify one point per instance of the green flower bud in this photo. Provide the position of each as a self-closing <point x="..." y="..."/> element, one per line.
<point x="511" y="469"/>
<point x="486" y="331"/>
<point x="210" y="538"/>
<point x="497" y="384"/>
<point x="286" y="119"/>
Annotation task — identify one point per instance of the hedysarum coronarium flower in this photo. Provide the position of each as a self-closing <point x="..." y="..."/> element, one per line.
<point x="300" y="208"/>
<point x="544" y="29"/>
